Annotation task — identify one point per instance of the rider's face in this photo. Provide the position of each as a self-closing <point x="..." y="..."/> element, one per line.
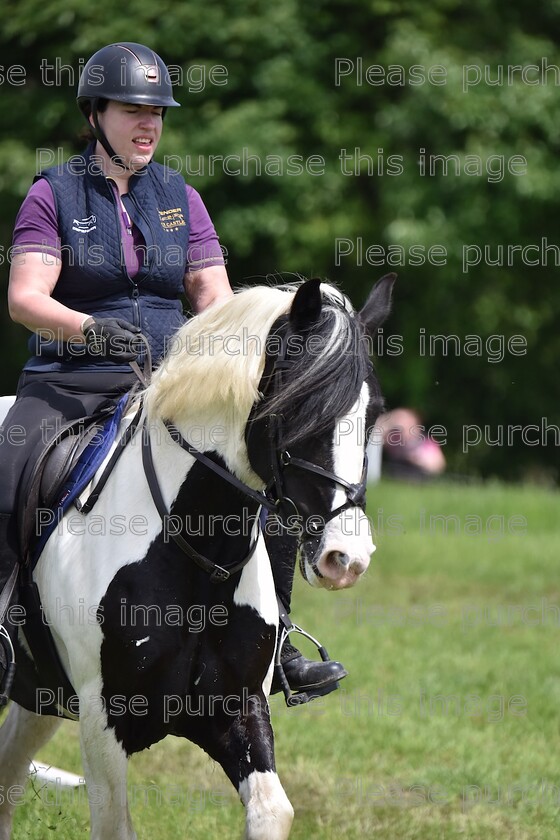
<point x="132" y="130"/>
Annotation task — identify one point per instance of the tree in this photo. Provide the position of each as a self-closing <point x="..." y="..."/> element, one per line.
<point x="340" y="139"/>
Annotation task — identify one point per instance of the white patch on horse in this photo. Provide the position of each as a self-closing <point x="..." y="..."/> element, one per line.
<point x="256" y="586"/>
<point x="348" y="445"/>
<point x="101" y="543"/>
<point x="105" y="768"/>
<point x="269" y="811"/>
<point x="142" y="641"/>
<point x="348" y="455"/>
<point x="347" y="541"/>
<point x="256" y="589"/>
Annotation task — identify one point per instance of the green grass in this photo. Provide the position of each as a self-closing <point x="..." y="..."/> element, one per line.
<point x="471" y="617"/>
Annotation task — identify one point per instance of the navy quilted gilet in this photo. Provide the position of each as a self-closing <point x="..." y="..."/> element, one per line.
<point x="94" y="278"/>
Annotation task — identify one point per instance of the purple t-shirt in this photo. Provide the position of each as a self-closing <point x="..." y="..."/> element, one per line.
<point x="36" y="229"/>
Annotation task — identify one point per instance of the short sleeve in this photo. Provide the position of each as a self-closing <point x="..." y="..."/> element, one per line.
<point x="204" y="246"/>
<point x="36" y="227"/>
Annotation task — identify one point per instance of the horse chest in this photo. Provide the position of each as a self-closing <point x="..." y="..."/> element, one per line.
<point x="176" y="649"/>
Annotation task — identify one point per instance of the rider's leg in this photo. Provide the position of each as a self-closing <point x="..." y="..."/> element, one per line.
<point x="302" y="674"/>
<point x="45" y="402"/>
<point x="20" y="435"/>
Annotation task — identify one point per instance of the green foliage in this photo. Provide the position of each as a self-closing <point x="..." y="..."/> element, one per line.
<point x="281" y="100"/>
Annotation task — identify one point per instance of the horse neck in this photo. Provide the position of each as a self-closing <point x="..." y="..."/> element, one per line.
<point x="220" y="434"/>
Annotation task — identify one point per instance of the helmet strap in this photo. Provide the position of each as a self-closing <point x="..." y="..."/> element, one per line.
<point x="102" y="137"/>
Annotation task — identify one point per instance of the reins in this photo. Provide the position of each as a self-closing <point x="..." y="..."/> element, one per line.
<point x="216" y="572"/>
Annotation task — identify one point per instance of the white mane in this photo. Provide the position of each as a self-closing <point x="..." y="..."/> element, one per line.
<point x="215" y="361"/>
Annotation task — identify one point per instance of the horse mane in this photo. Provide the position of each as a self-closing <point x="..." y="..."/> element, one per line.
<point x="216" y="360"/>
<point x="323" y="380"/>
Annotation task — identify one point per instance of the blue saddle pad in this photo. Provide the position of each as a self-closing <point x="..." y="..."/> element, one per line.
<point x="83" y="471"/>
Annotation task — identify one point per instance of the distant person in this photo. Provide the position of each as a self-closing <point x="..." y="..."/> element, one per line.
<point x="408" y="452"/>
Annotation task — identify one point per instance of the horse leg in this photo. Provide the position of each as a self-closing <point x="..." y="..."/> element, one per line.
<point x="105" y="770"/>
<point x="21" y="735"/>
<point x="245" y="749"/>
<point x="269" y="811"/>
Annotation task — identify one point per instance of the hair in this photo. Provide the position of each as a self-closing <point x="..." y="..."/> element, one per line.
<point x="323" y="379"/>
<point x="217" y="359"/>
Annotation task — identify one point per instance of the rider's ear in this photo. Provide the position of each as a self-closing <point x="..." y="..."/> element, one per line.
<point x="378" y="305"/>
<point x="306" y="306"/>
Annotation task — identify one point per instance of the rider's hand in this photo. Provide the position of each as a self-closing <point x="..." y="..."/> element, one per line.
<point x="113" y="338"/>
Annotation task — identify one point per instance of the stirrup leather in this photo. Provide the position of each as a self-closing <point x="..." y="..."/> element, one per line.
<point x="7" y="653"/>
<point x="7" y="679"/>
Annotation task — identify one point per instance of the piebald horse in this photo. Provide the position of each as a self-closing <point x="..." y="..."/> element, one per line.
<point x="275" y="388"/>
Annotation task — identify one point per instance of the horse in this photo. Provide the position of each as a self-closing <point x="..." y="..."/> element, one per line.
<point x="262" y="400"/>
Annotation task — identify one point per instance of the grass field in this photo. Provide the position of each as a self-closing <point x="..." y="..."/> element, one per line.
<point x="447" y="726"/>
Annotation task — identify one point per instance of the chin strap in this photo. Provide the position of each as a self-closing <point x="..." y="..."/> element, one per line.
<point x="102" y="137"/>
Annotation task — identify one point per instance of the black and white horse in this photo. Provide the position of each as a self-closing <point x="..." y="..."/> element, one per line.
<point x="276" y="387"/>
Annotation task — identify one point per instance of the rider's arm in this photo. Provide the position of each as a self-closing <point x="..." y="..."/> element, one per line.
<point x="206" y="286"/>
<point x="33" y="277"/>
<point x="206" y="279"/>
<point x="35" y="268"/>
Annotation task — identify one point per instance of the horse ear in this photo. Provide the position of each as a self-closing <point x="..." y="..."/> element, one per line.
<point x="378" y="305"/>
<point x="306" y="305"/>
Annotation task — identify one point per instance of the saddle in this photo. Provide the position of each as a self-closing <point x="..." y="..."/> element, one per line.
<point x="53" y="480"/>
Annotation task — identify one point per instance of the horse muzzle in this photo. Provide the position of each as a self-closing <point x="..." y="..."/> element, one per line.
<point x="342" y="555"/>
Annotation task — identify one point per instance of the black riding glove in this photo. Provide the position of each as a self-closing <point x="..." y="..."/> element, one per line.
<point x="113" y="338"/>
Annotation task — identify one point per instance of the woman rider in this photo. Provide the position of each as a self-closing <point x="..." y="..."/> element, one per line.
<point x="91" y="273"/>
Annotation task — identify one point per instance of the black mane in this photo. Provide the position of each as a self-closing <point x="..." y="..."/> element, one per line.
<point x="324" y="375"/>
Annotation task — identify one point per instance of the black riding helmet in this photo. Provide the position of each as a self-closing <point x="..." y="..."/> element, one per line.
<point x="125" y="72"/>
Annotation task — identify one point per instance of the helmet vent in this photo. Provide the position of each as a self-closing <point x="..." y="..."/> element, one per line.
<point x="152" y="74"/>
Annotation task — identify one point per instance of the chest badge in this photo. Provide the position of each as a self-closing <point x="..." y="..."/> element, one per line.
<point x="172" y="219"/>
<point x="85" y="225"/>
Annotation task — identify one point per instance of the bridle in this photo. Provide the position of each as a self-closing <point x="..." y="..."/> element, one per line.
<point x="282" y="461"/>
<point x="274" y="498"/>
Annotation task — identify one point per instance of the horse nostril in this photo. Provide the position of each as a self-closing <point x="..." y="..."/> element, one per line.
<point x="338" y="558"/>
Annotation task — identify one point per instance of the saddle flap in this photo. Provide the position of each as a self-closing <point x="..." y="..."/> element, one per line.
<point x="58" y="473"/>
<point x="60" y="463"/>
